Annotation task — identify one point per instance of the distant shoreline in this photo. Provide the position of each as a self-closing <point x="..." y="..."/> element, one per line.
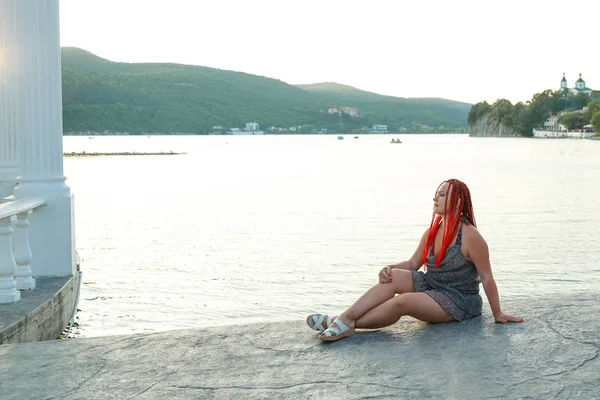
<point x="125" y="153"/>
<point x="148" y="135"/>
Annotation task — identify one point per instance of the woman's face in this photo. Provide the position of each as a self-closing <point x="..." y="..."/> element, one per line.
<point x="439" y="200"/>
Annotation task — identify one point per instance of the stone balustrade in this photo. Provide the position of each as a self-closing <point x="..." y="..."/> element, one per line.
<point x="15" y="252"/>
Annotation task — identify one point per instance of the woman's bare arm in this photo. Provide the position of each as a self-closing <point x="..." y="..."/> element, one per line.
<point x="478" y="253"/>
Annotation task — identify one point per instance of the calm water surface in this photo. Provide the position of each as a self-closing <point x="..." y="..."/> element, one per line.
<point x="268" y="228"/>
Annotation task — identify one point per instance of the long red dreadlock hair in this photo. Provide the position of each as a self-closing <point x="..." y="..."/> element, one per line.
<point x="457" y="192"/>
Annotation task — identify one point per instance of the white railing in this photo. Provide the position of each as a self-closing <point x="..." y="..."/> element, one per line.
<point x="543" y="133"/>
<point x="15" y="253"/>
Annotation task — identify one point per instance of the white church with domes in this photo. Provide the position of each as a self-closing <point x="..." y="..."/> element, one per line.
<point x="579" y="86"/>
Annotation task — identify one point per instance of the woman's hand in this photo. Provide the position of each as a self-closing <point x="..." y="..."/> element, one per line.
<point x="385" y="275"/>
<point x="505" y="318"/>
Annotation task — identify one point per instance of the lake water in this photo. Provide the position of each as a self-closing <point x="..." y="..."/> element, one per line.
<point x="269" y="228"/>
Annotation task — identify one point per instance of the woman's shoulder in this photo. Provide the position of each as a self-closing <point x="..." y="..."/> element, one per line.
<point x="470" y="233"/>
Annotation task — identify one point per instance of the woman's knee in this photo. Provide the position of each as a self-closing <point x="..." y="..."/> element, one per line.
<point x="402" y="280"/>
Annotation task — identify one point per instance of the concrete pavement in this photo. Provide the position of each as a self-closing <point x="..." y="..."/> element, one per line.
<point x="552" y="355"/>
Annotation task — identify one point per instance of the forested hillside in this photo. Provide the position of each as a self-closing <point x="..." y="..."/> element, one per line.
<point x="100" y="95"/>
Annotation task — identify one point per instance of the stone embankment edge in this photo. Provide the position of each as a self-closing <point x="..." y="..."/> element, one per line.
<point x="47" y="321"/>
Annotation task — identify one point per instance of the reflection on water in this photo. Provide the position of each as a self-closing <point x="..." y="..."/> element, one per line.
<point x="249" y="229"/>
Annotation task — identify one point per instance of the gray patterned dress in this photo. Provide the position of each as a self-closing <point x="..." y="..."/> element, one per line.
<point x="454" y="285"/>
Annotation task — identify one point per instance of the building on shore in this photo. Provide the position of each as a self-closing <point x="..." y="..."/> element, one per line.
<point x="552" y="124"/>
<point x="580" y="86"/>
<point x="217" y="130"/>
<point x="553" y="129"/>
<point x="251" y="128"/>
<point x="378" y="128"/>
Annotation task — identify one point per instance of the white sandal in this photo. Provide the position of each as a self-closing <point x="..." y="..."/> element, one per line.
<point x="334" y="333"/>
<point x="315" y="321"/>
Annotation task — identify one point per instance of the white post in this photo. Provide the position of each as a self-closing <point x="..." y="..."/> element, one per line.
<point x="22" y="253"/>
<point x="9" y="165"/>
<point x="8" y="289"/>
<point x="39" y="127"/>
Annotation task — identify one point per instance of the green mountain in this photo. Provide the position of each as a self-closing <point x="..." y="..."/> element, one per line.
<point x="101" y="95"/>
<point x="398" y="111"/>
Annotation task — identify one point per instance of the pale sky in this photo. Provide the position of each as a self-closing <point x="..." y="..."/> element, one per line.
<point x="461" y="50"/>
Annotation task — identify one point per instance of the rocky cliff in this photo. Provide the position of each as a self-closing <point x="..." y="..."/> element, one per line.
<point x="488" y="126"/>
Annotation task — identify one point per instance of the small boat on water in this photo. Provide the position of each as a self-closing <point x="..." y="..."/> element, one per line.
<point x="396" y="140"/>
<point x="340" y="137"/>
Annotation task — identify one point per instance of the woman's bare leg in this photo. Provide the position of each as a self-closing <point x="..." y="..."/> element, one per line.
<point x="418" y="305"/>
<point x="378" y="295"/>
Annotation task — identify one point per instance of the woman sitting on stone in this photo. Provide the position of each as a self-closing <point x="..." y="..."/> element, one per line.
<point x="456" y="258"/>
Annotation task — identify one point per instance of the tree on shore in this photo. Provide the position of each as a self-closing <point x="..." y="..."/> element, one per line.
<point x="592" y="108"/>
<point x="573" y="120"/>
<point x="478" y="111"/>
<point x="596" y="122"/>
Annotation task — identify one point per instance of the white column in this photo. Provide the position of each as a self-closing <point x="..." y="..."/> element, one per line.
<point x="39" y="99"/>
<point x="39" y="132"/>
<point x="22" y="252"/>
<point x="9" y="165"/>
<point x="8" y="289"/>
